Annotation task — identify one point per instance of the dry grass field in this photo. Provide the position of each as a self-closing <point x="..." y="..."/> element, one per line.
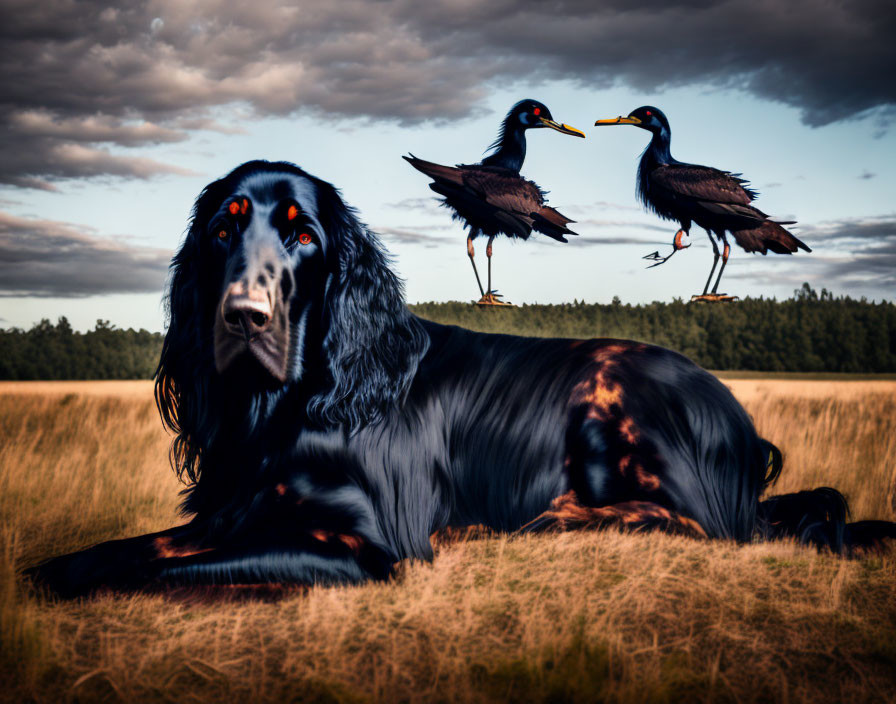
<point x="571" y="618"/>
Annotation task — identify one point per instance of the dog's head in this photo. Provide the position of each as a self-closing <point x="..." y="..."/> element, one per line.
<point x="278" y="284"/>
<point x="267" y="251"/>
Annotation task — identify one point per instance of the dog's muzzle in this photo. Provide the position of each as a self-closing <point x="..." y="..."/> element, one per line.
<point x="253" y="318"/>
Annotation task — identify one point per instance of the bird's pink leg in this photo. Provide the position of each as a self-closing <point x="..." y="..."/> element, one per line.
<point x="470" y="252"/>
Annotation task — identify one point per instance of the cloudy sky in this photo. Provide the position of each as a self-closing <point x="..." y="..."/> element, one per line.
<point x="114" y="118"/>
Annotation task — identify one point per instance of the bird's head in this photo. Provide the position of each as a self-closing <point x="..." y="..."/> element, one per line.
<point x="647" y="118"/>
<point x="530" y="114"/>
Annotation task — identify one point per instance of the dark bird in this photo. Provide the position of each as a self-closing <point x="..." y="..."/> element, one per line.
<point x="491" y="197"/>
<point x="718" y="201"/>
<point x="327" y="432"/>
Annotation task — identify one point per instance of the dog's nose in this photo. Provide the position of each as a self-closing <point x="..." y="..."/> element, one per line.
<point x="246" y="314"/>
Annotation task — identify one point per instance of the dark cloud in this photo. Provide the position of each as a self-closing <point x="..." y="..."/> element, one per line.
<point x="77" y="78"/>
<point x="847" y="254"/>
<point x="866" y="175"/>
<point x="48" y="258"/>
<point x="37" y="143"/>
<point x="69" y="160"/>
<point x="413" y="235"/>
<point x="851" y="231"/>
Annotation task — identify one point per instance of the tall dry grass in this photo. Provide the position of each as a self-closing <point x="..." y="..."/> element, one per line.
<point x="841" y="434"/>
<point x="575" y="617"/>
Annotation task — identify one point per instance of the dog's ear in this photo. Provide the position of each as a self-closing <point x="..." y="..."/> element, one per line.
<point x="372" y="343"/>
<point x="186" y="365"/>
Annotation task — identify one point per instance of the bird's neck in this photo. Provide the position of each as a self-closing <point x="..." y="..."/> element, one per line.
<point x="510" y="149"/>
<point x="657" y="152"/>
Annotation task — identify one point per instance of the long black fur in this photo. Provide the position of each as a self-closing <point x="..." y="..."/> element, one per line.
<point x="391" y="427"/>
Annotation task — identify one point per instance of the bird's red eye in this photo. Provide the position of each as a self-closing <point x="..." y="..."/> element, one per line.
<point x="223" y="234"/>
<point x="305" y="238"/>
<point x="234" y="208"/>
<point x="536" y="111"/>
<point x="292" y="213"/>
<point x="648" y="113"/>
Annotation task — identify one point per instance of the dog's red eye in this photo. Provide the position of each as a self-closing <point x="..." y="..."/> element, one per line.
<point x="305" y="238"/>
<point x="234" y="208"/>
<point x="292" y="213"/>
<point x="223" y="234"/>
<point x="536" y="111"/>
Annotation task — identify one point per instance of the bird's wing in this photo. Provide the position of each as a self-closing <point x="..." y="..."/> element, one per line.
<point x="477" y="199"/>
<point x="503" y="189"/>
<point x="734" y="210"/>
<point x="437" y="172"/>
<point x="516" y="197"/>
<point x="702" y="183"/>
<point x="514" y="202"/>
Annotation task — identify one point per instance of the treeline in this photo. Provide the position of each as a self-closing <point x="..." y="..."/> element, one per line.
<point x="810" y="332"/>
<point x="49" y="351"/>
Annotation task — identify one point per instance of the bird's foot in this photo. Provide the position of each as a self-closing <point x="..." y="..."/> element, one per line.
<point x="677" y="245"/>
<point x="492" y="298"/>
<point x="656" y="258"/>
<point x="713" y="298"/>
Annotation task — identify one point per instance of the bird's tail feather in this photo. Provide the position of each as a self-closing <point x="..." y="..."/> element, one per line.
<point x="552" y="223"/>
<point x="436" y="171"/>
<point x="769" y="236"/>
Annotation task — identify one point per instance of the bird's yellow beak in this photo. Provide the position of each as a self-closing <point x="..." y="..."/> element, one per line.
<point x="565" y="129"/>
<point x="619" y="121"/>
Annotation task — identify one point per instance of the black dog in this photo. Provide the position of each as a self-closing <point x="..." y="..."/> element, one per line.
<point x="327" y="432"/>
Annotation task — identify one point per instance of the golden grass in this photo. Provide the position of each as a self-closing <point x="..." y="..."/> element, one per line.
<point x="840" y="434"/>
<point x="576" y="617"/>
<point x="132" y="388"/>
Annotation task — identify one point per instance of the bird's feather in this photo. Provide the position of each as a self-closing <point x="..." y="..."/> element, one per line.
<point x="769" y="236"/>
<point x="479" y="215"/>
<point x="736" y="215"/>
<point x="503" y="188"/>
<point x="702" y="183"/>
<point x="492" y="200"/>
<point x="552" y="223"/>
<point x="435" y="171"/>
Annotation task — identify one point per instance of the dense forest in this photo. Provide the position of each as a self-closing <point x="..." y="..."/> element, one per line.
<point x="49" y="351"/>
<point x="811" y="332"/>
